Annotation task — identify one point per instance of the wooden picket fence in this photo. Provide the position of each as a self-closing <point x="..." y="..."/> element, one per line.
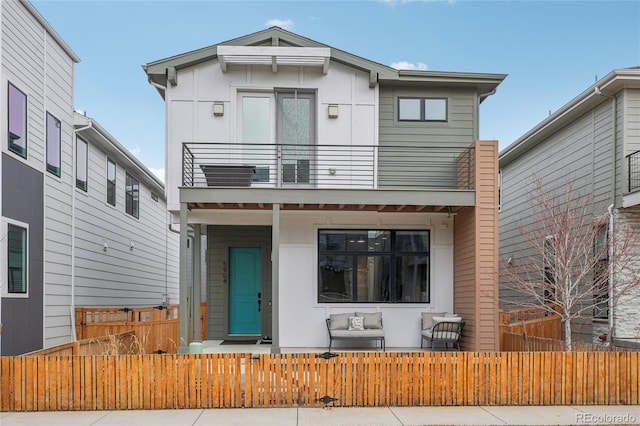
<point x="531" y="321"/>
<point x="517" y="342"/>
<point x="155" y="327"/>
<point x="125" y="343"/>
<point x="349" y="379"/>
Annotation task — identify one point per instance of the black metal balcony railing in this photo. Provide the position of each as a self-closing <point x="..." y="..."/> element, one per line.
<point x="633" y="168"/>
<point x="325" y="166"/>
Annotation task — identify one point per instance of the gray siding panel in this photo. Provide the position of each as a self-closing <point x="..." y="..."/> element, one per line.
<point x="21" y="320"/>
<point x="457" y="132"/>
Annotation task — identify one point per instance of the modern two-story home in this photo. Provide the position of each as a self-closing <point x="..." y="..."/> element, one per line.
<point x="83" y="222"/>
<point x="327" y="183"/>
<point x="592" y="144"/>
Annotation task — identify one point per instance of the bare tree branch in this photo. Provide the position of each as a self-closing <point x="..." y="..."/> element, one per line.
<point x="574" y="263"/>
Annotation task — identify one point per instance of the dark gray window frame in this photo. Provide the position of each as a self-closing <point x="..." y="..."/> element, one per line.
<point x="393" y="254"/>
<point x="132" y="195"/>
<point x="55" y="143"/>
<point x="82" y="183"/>
<point x="111" y="184"/>
<point x="423" y="109"/>
<point x="23" y="272"/>
<point x="11" y="137"/>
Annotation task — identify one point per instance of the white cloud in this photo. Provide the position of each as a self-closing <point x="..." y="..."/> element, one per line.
<point x="135" y="150"/>
<point x="286" y="23"/>
<point x="158" y="172"/>
<point x="404" y="65"/>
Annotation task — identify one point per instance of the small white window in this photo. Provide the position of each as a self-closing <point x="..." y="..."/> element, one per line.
<point x="422" y="109"/>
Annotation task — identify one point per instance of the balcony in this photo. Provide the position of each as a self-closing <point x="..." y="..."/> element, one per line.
<point x="355" y="167"/>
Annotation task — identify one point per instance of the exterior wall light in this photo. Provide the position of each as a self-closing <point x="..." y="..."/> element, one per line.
<point x="333" y="111"/>
<point x="218" y="109"/>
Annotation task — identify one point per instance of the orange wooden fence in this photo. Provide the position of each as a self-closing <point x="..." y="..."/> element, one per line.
<point x="521" y="342"/>
<point x="156" y="327"/>
<point x="531" y="322"/>
<point x="350" y="379"/>
<point x="113" y="344"/>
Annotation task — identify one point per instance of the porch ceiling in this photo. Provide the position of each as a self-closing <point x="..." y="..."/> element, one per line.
<point x="380" y="200"/>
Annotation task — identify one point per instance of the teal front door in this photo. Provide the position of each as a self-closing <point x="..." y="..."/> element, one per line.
<point x="245" y="282"/>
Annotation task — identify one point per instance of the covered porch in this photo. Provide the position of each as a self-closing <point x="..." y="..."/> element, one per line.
<point x="467" y="216"/>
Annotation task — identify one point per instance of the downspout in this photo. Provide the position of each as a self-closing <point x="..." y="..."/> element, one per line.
<point x="72" y="307"/>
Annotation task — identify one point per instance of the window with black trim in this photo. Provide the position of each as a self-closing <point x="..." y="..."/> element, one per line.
<point x="17" y="120"/>
<point x="422" y="109"/>
<point x="16" y="259"/>
<point x="373" y="266"/>
<point x="82" y="162"/>
<point x="132" y="195"/>
<point x="601" y="273"/>
<point x="111" y="182"/>
<point x="54" y="140"/>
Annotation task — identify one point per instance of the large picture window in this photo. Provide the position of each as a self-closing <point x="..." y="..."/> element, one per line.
<point x="373" y="266"/>
<point x="17" y="121"/>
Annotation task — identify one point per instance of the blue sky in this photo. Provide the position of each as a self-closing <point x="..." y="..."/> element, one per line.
<point x="551" y="50"/>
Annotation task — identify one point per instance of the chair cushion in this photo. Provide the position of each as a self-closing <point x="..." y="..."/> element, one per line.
<point x="440" y="335"/>
<point x="339" y="321"/>
<point x="427" y="319"/>
<point x="446" y="319"/>
<point x="366" y="333"/>
<point x="356" y="323"/>
<point x="371" y="319"/>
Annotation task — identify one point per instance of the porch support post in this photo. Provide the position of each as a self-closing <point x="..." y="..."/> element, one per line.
<point x="197" y="282"/>
<point x="275" y="279"/>
<point x="183" y="335"/>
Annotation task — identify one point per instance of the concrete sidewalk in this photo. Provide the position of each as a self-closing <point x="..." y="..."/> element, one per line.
<point x="382" y="416"/>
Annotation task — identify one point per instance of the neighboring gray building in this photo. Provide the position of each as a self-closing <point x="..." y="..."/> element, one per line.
<point x="593" y="142"/>
<point x="83" y="223"/>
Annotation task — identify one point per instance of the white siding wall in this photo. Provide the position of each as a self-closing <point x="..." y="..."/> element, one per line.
<point x="190" y="107"/>
<point x="58" y="202"/>
<point x="121" y="276"/>
<point x="37" y="65"/>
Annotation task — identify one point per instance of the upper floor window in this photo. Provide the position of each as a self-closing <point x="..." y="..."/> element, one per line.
<point x="375" y="266"/>
<point x="16" y="259"/>
<point x="132" y="196"/>
<point x="111" y="182"/>
<point x="54" y="140"/>
<point x="17" y="121"/>
<point x="82" y="152"/>
<point x="422" y="109"/>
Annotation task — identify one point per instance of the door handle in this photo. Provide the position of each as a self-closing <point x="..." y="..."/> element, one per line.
<point x="259" y="301"/>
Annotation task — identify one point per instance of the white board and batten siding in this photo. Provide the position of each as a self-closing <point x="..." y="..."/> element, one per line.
<point x="190" y="106"/>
